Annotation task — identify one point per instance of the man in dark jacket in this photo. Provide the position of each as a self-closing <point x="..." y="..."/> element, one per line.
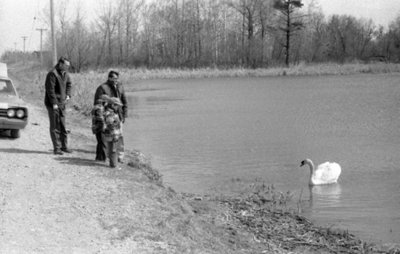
<point x="58" y="92"/>
<point x="112" y="88"/>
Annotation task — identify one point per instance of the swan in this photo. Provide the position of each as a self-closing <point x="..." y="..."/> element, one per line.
<point x="326" y="173"/>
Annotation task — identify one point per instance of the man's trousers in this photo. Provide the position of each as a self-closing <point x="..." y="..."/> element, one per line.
<point x="58" y="131"/>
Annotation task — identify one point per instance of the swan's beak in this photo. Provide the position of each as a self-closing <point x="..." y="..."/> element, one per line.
<point x="302" y="163"/>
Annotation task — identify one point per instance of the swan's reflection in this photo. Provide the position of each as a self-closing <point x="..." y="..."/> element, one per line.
<point x="325" y="195"/>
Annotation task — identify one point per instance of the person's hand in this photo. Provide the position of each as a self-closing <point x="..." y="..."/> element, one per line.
<point x="55" y="106"/>
<point x="67" y="99"/>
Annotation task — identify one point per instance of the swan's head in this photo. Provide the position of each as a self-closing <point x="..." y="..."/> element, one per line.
<point x="305" y="162"/>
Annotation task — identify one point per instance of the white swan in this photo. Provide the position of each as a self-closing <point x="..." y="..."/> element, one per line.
<point x="326" y="173"/>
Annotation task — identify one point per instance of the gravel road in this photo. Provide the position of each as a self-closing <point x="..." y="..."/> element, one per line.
<point x="64" y="204"/>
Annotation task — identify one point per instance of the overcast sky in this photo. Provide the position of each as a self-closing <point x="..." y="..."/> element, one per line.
<point x="17" y="17"/>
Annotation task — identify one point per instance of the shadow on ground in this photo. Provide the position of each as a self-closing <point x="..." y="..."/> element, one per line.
<point x="80" y="161"/>
<point x="5" y="135"/>
<point x="16" y="150"/>
<point x="83" y="151"/>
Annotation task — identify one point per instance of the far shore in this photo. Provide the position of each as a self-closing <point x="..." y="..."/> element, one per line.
<point x="86" y="82"/>
<point x="259" y="220"/>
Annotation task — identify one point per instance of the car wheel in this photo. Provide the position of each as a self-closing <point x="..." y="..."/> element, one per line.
<point x="15" y="133"/>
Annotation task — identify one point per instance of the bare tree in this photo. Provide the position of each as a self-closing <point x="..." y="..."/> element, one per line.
<point x="65" y="43"/>
<point x="80" y="33"/>
<point x="265" y="17"/>
<point x="248" y="10"/>
<point x="393" y="36"/>
<point x="127" y="26"/>
<point x="313" y="35"/>
<point x="339" y="29"/>
<point x="193" y="33"/>
<point x="150" y="17"/>
<point x="366" y="32"/>
<point x="107" y="23"/>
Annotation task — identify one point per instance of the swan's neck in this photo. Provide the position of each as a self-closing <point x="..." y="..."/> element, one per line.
<point x="311" y="165"/>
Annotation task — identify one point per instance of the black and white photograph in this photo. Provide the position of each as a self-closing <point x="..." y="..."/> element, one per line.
<point x="199" y="126"/>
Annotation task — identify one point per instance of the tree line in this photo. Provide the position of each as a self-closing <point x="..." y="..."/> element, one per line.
<point x="218" y="33"/>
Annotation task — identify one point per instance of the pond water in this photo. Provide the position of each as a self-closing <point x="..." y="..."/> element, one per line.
<point x="208" y="135"/>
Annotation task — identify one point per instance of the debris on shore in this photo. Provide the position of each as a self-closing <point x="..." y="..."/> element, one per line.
<point x="265" y="214"/>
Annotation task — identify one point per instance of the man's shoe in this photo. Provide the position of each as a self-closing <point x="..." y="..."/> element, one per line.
<point x="58" y="152"/>
<point x="66" y="150"/>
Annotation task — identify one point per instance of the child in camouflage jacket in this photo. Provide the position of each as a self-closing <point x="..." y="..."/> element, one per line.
<point x="112" y="132"/>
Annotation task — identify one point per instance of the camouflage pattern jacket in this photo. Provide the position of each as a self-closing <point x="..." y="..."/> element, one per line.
<point x="113" y="126"/>
<point x="98" y="122"/>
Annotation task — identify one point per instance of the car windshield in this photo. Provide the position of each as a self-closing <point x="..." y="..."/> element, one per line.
<point x="6" y="87"/>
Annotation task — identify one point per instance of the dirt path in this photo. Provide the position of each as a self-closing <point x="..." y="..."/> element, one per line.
<point x="72" y="204"/>
<point x="61" y="204"/>
<point x="50" y="203"/>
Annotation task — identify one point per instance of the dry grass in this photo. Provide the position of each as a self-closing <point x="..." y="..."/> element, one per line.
<point x="264" y="212"/>
<point x="85" y="84"/>
<point x="138" y="160"/>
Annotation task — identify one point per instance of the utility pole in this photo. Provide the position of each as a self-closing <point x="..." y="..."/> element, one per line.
<point x="15" y="50"/>
<point x="53" y="33"/>
<point x="41" y="44"/>
<point x="24" y="39"/>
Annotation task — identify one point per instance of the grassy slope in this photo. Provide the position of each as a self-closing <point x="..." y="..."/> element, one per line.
<point x="257" y="222"/>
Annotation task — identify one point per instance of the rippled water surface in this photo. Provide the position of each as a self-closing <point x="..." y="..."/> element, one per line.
<point x="207" y="135"/>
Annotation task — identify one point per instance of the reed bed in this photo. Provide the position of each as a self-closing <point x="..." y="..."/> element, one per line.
<point x="301" y="69"/>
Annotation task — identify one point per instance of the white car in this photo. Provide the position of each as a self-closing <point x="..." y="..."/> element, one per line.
<point x="13" y="110"/>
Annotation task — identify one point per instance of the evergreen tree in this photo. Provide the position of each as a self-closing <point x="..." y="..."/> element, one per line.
<point x="289" y="23"/>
